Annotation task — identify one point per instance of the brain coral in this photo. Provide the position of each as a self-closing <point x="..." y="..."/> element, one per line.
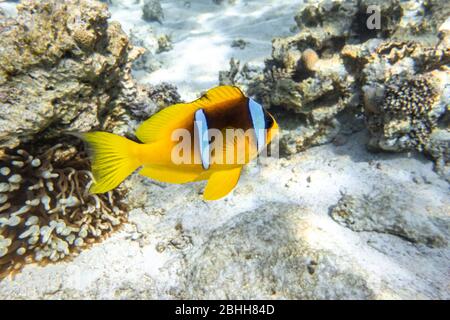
<point x="46" y="212"/>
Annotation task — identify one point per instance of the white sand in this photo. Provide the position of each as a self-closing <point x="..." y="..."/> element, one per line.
<point x="202" y="35"/>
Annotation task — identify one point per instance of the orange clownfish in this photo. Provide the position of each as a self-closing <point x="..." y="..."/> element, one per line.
<point x="221" y="132"/>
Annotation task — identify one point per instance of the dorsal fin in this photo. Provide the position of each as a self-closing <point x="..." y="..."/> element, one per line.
<point x="162" y="124"/>
<point x="220" y="94"/>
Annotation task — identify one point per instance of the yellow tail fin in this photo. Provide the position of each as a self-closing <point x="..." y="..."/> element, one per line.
<point x="113" y="159"/>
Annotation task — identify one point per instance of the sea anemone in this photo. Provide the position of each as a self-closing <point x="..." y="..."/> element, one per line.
<point x="46" y="211"/>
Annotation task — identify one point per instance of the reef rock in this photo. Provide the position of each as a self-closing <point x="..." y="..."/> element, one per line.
<point x="409" y="111"/>
<point x="164" y="43"/>
<point x="145" y="38"/>
<point x="224" y="1"/>
<point x="339" y="69"/>
<point x="63" y="65"/>
<point x="152" y="11"/>
<point x="265" y="251"/>
<point x="389" y="212"/>
<point x="152" y="99"/>
<point x="406" y="96"/>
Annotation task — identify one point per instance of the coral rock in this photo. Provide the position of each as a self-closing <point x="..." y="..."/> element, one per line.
<point x="267" y="256"/>
<point x="385" y="212"/>
<point x="164" y="43"/>
<point x="152" y="11"/>
<point x="62" y="65"/>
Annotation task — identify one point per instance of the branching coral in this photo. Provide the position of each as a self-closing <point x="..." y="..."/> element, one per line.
<point x="411" y="115"/>
<point x="46" y="211"/>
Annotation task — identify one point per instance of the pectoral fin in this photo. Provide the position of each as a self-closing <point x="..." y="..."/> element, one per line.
<point x="221" y="183"/>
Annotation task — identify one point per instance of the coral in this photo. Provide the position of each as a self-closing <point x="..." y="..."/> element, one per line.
<point x="239" y="43"/>
<point x="406" y="96"/>
<point x="237" y="75"/>
<point x="63" y="65"/>
<point x="145" y="38"/>
<point x="164" y="43"/>
<point x="438" y="147"/>
<point x="152" y="11"/>
<point x="47" y="213"/>
<point x="406" y="118"/>
<point x="438" y="11"/>
<point x="153" y="98"/>
<point x="335" y="65"/>
<point x="317" y="95"/>
<point x="444" y="34"/>
<point x="388" y="212"/>
<point x="164" y="95"/>
<point x="141" y="102"/>
<point x="307" y="74"/>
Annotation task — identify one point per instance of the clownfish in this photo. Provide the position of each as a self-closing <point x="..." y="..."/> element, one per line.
<point x="222" y="131"/>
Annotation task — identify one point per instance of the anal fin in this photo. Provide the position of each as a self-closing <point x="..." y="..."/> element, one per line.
<point x="221" y="183"/>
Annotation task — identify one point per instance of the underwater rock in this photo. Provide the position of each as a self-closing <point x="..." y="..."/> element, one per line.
<point x="164" y="43"/>
<point x="47" y="213"/>
<point x="62" y="66"/>
<point x="264" y="254"/>
<point x="328" y="24"/>
<point x="138" y="105"/>
<point x="406" y="96"/>
<point x="438" y="147"/>
<point x="239" y="76"/>
<point x="436" y="13"/>
<point x="336" y="64"/>
<point x="145" y="38"/>
<point x="391" y="213"/>
<point x="307" y="75"/>
<point x="152" y="99"/>
<point x="318" y="92"/>
<point x="444" y="34"/>
<point x="239" y="43"/>
<point x="152" y="11"/>
<point x="224" y="1"/>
